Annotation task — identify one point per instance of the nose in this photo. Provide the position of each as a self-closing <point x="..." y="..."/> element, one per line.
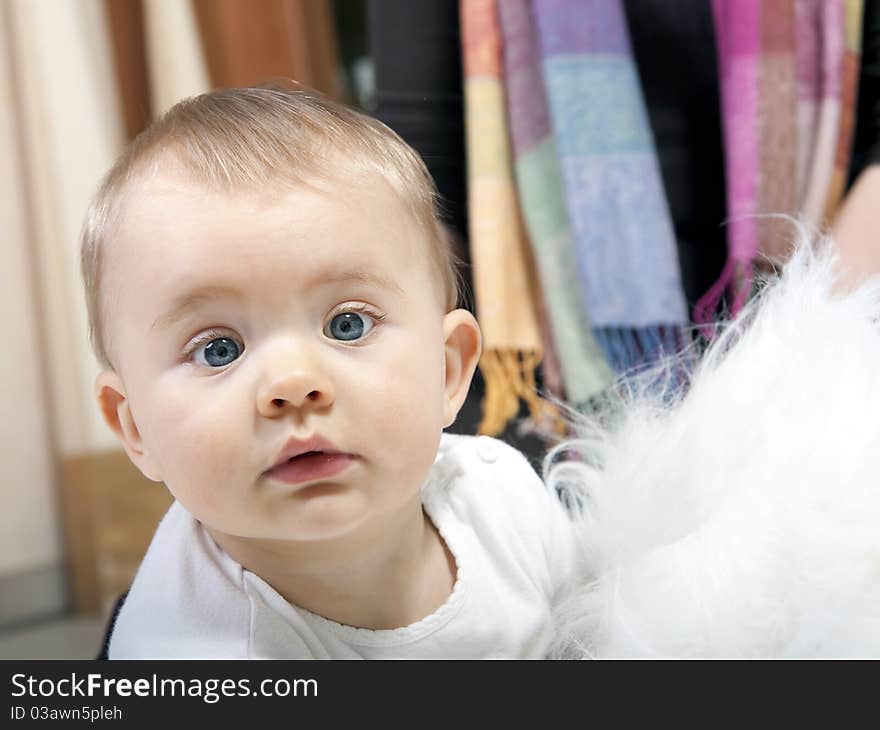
<point x="294" y="384"/>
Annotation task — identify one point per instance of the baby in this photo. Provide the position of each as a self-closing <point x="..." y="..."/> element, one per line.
<point x="273" y="303"/>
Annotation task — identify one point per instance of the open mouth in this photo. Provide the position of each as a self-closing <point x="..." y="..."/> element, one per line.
<point x="305" y="456"/>
<point x="311" y="466"/>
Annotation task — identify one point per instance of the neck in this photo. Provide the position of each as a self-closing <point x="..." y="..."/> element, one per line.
<point x="365" y="580"/>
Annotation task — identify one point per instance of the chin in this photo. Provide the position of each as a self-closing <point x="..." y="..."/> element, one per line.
<point x="322" y="511"/>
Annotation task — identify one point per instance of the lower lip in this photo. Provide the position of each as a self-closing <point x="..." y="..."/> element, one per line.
<point x="311" y="468"/>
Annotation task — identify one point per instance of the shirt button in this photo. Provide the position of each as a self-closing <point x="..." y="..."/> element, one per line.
<point x="487" y="449"/>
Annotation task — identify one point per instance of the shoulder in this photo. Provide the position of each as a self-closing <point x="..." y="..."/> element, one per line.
<point x="487" y="449"/>
<point x="478" y="473"/>
<point x="484" y="456"/>
<point x="181" y="581"/>
<point x="488" y="489"/>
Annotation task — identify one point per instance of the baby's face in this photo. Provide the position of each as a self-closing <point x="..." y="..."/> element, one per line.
<point x="238" y="325"/>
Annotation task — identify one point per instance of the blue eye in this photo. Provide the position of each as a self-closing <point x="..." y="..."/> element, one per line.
<point x="349" y="326"/>
<point x="218" y="352"/>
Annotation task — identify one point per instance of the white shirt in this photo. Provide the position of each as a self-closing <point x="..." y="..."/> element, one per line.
<point x="512" y="542"/>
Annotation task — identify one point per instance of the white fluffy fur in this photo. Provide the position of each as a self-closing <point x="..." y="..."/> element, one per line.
<point x="744" y="519"/>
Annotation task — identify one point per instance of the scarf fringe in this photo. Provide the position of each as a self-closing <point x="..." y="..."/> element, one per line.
<point x="631" y="349"/>
<point x="736" y="278"/>
<point x="510" y="378"/>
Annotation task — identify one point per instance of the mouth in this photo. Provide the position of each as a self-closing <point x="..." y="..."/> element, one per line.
<point x="309" y="459"/>
<point x="311" y="466"/>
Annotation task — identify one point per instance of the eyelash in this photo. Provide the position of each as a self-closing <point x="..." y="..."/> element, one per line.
<point x="359" y="309"/>
<point x="202" y="339"/>
<point x="212" y="334"/>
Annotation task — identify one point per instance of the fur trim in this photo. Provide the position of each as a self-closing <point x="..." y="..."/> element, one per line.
<point x="741" y="519"/>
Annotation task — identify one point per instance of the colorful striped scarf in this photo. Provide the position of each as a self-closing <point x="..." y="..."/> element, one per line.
<point x="584" y="370"/>
<point x="624" y="240"/>
<point x="503" y="270"/>
<point x="788" y="82"/>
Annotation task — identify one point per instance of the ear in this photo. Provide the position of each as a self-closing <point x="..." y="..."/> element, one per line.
<point x="114" y="404"/>
<point x="463" y="345"/>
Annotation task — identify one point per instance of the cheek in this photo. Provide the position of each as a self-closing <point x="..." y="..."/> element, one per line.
<point x="196" y="439"/>
<point x="409" y="389"/>
<point x="403" y="410"/>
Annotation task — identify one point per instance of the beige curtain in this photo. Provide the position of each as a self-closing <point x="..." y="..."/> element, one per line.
<point x="175" y="61"/>
<point x="28" y="524"/>
<point x="61" y="130"/>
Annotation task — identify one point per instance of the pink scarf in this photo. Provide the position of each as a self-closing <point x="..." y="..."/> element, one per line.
<point x="788" y="71"/>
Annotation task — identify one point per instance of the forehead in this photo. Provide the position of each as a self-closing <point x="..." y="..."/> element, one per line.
<point x="174" y="235"/>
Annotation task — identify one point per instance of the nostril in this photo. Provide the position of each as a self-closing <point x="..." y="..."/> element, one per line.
<point x="312" y="396"/>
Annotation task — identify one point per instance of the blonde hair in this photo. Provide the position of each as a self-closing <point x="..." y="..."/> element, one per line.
<point x="238" y="139"/>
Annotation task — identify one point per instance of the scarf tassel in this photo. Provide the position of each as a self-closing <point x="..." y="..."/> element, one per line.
<point x="630" y="349"/>
<point x="736" y="278"/>
<point x="510" y="378"/>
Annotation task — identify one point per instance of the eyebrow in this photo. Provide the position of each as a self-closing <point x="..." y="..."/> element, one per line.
<point x="185" y="303"/>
